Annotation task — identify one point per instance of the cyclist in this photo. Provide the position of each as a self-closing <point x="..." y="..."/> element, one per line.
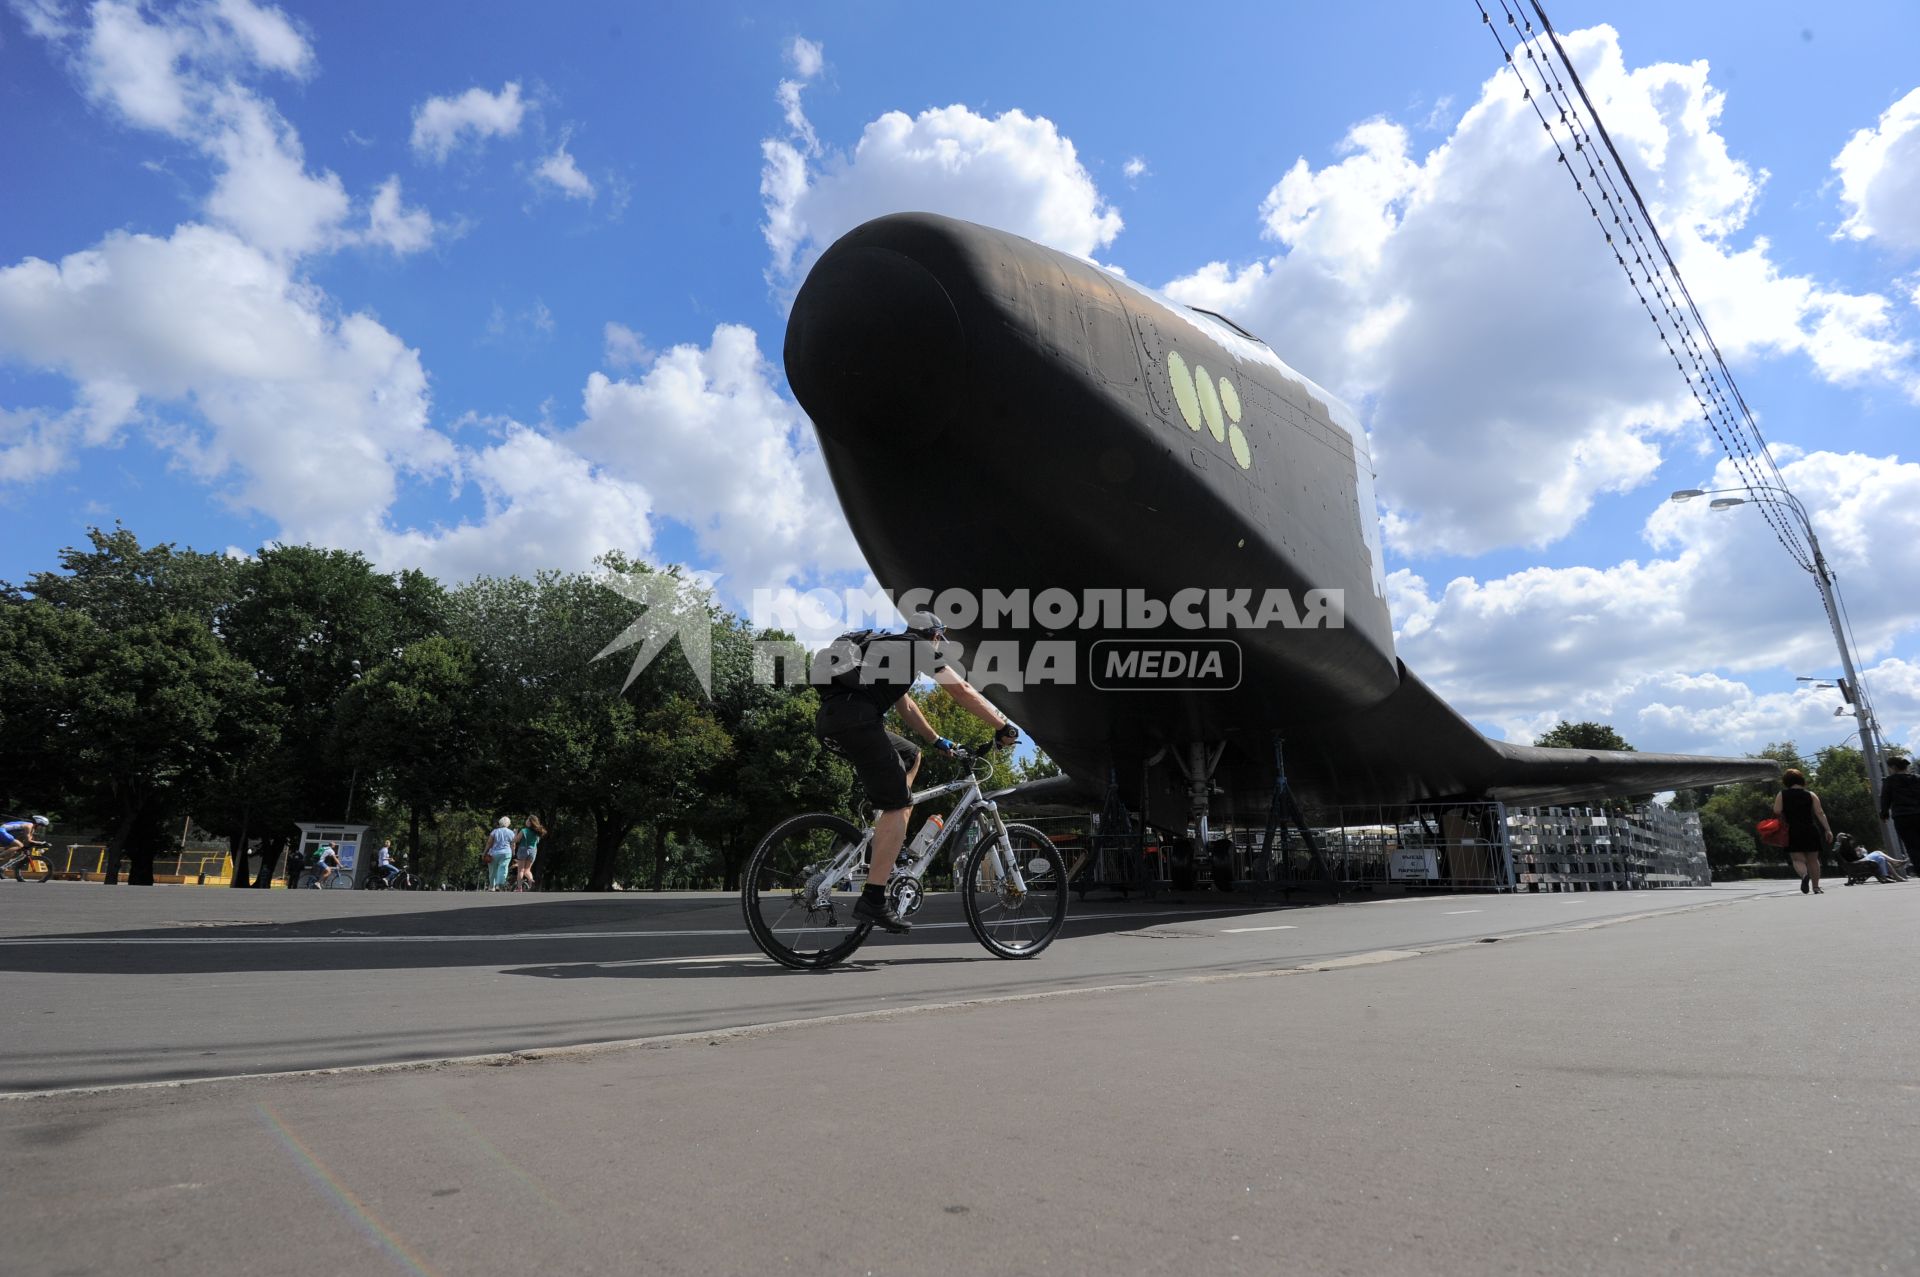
<point x="328" y="863"/>
<point x="863" y="674"/>
<point x="383" y="861"/>
<point x="18" y="835"/>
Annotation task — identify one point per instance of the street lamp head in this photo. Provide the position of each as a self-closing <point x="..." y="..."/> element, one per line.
<point x="1688" y="494"/>
<point x="1726" y="503"/>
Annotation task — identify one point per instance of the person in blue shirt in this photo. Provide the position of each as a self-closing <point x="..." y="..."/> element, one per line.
<point x="16" y="835"/>
<point x="383" y="861"/>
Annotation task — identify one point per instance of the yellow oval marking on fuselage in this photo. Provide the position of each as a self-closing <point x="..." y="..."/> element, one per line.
<point x="1210" y="404"/>
<point x="1183" y="389"/>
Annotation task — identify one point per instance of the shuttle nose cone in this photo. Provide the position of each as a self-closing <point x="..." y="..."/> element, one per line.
<point x="874" y="349"/>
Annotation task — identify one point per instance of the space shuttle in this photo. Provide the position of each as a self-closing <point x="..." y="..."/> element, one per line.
<point x="998" y="416"/>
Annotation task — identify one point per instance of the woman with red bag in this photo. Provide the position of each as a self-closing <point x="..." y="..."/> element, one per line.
<point x="1807" y="830"/>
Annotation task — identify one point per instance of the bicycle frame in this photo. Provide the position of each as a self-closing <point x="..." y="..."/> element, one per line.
<point x="854" y="859"/>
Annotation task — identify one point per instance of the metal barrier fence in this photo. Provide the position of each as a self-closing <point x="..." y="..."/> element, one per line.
<point x="87" y="862"/>
<point x="1457" y="847"/>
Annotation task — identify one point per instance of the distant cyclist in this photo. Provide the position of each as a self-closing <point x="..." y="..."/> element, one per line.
<point x="864" y="675"/>
<point x="327" y="861"/>
<point x="383" y="861"/>
<point x="18" y="834"/>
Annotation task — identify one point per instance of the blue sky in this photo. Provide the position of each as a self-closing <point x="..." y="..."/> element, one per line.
<point x="479" y="289"/>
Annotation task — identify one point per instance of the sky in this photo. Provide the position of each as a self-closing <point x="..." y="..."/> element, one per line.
<point x="476" y="288"/>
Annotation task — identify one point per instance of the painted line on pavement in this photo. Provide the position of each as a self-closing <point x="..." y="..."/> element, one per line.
<point x="1454" y="913"/>
<point x="1235" y="931"/>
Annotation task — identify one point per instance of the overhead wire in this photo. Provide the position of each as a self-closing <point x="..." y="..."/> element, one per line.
<point x="1673" y="322"/>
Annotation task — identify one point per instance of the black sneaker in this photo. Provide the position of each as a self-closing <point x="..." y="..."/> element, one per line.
<point x="1806" y="883"/>
<point x="867" y="909"/>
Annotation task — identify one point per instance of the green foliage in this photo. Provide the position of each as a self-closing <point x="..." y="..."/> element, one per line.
<point x="1840" y="778"/>
<point x="139" y="684"/>
<point x="1728" y="844"/>
<point x="1583" y="736"/>
<point x="120" y="583"/>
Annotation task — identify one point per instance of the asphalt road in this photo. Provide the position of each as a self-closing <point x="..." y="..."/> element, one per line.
<point x="113" y="985"/>
<point x="1728" y="1089"/>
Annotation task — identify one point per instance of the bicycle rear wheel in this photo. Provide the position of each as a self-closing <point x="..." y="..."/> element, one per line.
<point x="32" y="868"/>
<point x="1016" y="924"/>
<point x="796" y="916"/>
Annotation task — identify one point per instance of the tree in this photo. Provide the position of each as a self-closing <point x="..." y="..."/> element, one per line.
<point x="313" y="622"/>
<point x="1742" y="806"/>
<point x="1583" y="736"/>
<point x="1728" y="845"/>
<point x="133" y="720"/>
<point x="121" y="583"/>
<point x="1840" y="778"/>
<point x="415" y="723"/>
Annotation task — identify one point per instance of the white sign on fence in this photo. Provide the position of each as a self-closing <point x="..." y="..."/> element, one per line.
<point x="1415" y="865"/>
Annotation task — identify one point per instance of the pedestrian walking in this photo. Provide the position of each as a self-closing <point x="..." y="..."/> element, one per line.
<point x="1807" y="830"/>
<point x="499" y="852"/>
<point x="525" y="851"/>
<point x="1900" y="803"/>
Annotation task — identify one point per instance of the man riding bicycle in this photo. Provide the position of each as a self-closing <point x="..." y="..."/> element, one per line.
<point x="864" y="674"/>
<point x="17" y="834"/>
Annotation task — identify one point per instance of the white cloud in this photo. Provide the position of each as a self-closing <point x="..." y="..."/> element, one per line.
<point x="544" y="506"/>
<point x="264" y="191"/>
<point x="268" y="36"/>
<point x="1014" y="171"/>
<point x="272" y="397"/>
<point x="805" y="56"/>
<point x="559" y="170"/>
<point x="394" y="226"/>
<point x="181" y="73"/>
<point x="1880" y="178"/>
<point x="721" y="450"/>
<point x="625" y="348"/>
<point x="155" y="71"/>
<point x="442" y="124"/>
<point x="1135" y="168"/>
<point x="43" y="19"/>
<point x="1463" y="300"/>
<point x="129" y="63"/>
<point x="1629" y="643"/>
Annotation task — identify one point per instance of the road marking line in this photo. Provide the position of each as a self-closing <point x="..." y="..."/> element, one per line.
<point x="1455" y="912"/>
<point x="1234" y="931"/>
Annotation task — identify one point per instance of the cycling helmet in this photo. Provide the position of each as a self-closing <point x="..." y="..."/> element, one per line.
<point x="40" y="821"/>
<point x="924" y="624"/>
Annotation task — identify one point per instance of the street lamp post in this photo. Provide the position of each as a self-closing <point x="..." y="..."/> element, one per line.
<point x="1823" y="577"/>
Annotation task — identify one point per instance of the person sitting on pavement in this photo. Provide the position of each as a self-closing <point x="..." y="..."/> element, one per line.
<point x="1874" y="865"/>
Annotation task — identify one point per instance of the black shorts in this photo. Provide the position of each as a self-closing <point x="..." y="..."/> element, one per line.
<point x="880" y="758"/>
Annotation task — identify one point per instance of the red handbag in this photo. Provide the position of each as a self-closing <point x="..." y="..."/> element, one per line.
<point x="1772" y="831"/>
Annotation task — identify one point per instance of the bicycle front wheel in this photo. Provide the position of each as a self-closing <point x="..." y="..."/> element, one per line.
<point x="1015" y="923"/>
<point x="797" y="915"/>
<point x="32" y="869"/>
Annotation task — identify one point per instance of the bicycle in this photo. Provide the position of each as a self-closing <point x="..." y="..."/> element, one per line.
<point x="801" y="881"/>
<point x="29" y="862"/>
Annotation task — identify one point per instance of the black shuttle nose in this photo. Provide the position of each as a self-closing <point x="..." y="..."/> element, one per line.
<point x="874" y="349"/>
